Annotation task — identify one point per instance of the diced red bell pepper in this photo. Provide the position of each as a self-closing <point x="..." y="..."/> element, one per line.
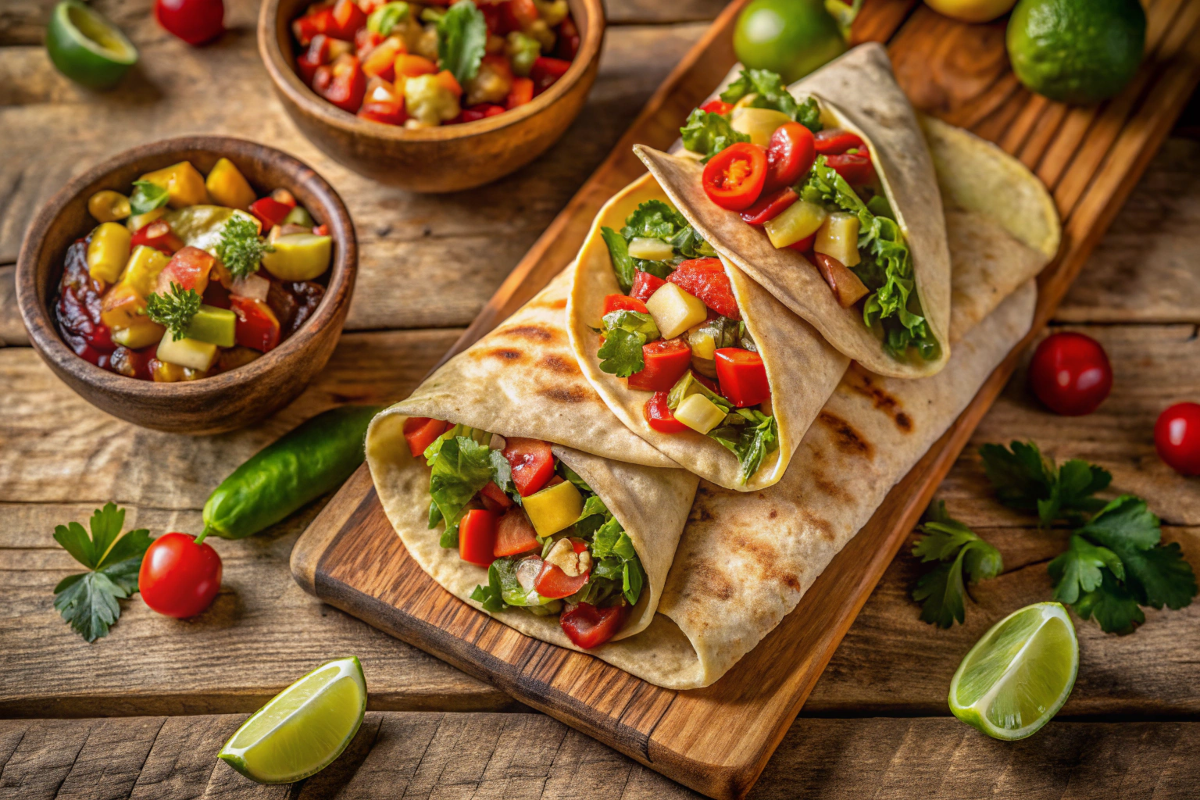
<point x="366" y="40"/>
<point x="348" y="18"/>
<point x="666" y="361"/>
<point x="257" y="326"/>
<point x="717" y="106"/>
<point x="189" y="268"/>
<point x="553" y="583"/>
<point x="383" y="106"/>
<point x="514" y="534"/>
<point x="622" y="302"/>
<point x="381" y="61"/>
<point x="743" y="377"/>
<point x="805" y="244"/>
<point x="420" y="432"/>
<point x="531" y="461"/>
<point x="319" y="20"/>
<point x="645" y="285"/>
<point x="270" y="212"/>
<point x="477" y="537"/>
<point x="409" y="65"/>
<point x="589" y="626"/>
<point x="494" y="498"/>
<point x="566" y="46"/>
<point x="546" y="71"/>
<point x="446" y="80"/>
<point x="478" y="112"/>
<point x="157" y="234"/>
<point x="835" y="141"/>
<point x="658" y="414"/>
<point x="342" y="83"/>
<point x="770" y="206"/>
<point x="854" y="167"/>
<point x="322" y="50"/>
<point x="520" y="93"/>
<point x="705" y="278"/>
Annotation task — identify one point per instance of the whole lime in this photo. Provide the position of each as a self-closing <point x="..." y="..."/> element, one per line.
<point x="1076" y="51"/>
<point x="791" y="37"/>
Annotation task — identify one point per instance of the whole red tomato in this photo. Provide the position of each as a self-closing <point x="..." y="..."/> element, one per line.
<point x="1177" y="438"/>
<point x="1070" y="373"/>
<point x="194" y="21"/>
<point x="179" y="577"/>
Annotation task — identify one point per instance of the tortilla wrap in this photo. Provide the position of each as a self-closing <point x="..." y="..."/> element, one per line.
<point x="521" y="380"/>
<point x="861" y="93"/>
<point x="802" y="367"/>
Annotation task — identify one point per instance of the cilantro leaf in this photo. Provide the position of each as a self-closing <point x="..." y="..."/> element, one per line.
<point x="963" y="556"/>
<point x="461" y="40"/>
<point x="1112" y="604"/>
<point x="174" y="309"/>
<point x="146" y="197"/>
<point x="653" y="219"/>
<point x="1079" y="569"/>
<point x="1026" y="481"/>
<point x="241" y="248"/>
<point x="490" y="596"/>
<point x="461" y="468"/>
<point x="709" y="134"/>
<point x="1155" y="574"/>
<point x="618" y="253"/>
<point x="769" y="92"/>
<point x="624" y="334"/>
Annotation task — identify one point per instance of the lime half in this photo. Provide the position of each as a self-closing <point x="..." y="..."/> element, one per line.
<point x="304" y="727"/>
<point x="1017" y="677"/>
<point x="86" y="47"/>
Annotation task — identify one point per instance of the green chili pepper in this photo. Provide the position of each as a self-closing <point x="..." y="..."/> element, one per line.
<point x="315" y="458"/>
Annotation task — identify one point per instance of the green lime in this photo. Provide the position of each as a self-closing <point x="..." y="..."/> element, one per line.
<point x="791" y="37"/>
<point x="1017" y="677"/>
<point x="86" y="47"/>
<point x="304" y="727"/>
<point x="1076" y="51"/>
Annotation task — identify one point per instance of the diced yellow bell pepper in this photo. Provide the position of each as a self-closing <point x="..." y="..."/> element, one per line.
<point x="108" y="251"/>
<point x="798" y="221"/>
<point x="553" y="508"/>
<point x="108" y="206"/>
<point x="139" y="221"/>
<point x="123" y="307"/>
<point x="227" y="187"/>
<point x="674" y="310"/>
<point x="140" y="334"/>
<point x="699" y="413"/>
<point x="141" y="273"/>
<point x="184" y="184"/>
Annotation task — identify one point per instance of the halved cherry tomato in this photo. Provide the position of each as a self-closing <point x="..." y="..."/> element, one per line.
<point x="622" y="302"/>
<point x="341" y="83"/>
<point x="734" y="177"/>
<point x="805" y="244"/>
<point x="520" y="93"/>
<point x="531" y="461"/>
<point x="770" y="205"/>
<point x="494" y="498"/>
<point x="666" y="360"/>
<point x="743" y="376"/>
<point x="157" y="234"/>
<point x="790" y="154"/>
<point x="717" y="106"/>
<point x="477" y="537"/>
<point x="658" y="414"/>
<point x="645" y="285"/>
<point x="545" y="72"/>
<point x="270" y="212"/>
<point x="514" y="534"/>
<point x="835" y="141"/>
<point x="553" y="583"/>
<point x="705" y="278"/>
<point x="348" y="18"/>
<point x="308" y="26"/>
<point x="420" y="432"/>
<point x="854" y="167"/>
<point x="588" y="626"/>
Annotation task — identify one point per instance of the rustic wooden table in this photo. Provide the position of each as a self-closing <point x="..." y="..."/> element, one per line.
<point x="142" y="712"/>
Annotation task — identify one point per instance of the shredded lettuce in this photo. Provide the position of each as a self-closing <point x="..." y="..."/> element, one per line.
<point x="709" y="134"/>
<point x="653" y="219"/>
<point x="624" y="334"/>
<point x="770" y="92"/>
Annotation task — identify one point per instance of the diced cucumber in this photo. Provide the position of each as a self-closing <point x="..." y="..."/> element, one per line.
<point x="838" y="238"/>
<point x="798" y="221"/>
<point x="187" y="352"/>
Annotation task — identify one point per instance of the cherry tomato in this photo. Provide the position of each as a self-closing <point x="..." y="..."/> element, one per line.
<point x="645" y="285"/>
<point x="477" y="537"/>
<point x="854" y="167"/>
<point x="180" y="575"/>
<point x="658" y="415"/>
<point x="770" y="205"/>
<point x="622" y="302"/>
<point x="515" y="534"/>
<point x="478" y="112"/>
<point x="588" y="626"/>
<point x="666" y="361"/>
<point x="835" y="142"/>
<point x="734" y="177"/>
<point x="1070" y="373"/>
<point x="743" y="377"/>
<point x="194" y="21"/>
<point x="717" y="106"/>
<point x="1177" y="438"/>
<point x="553" y="583"/>
<point x="531" y="461"/>
<point x="420" y="432"/>
<point x="790" y="154"/>
<point x="389" y="113"/>
<point x="705" y="278"/>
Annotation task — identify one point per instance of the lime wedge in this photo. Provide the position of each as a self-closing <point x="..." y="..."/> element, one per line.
<point x="86" y="47"/>
<point x="1019" y="674"/>
<point x="304" y="727"/>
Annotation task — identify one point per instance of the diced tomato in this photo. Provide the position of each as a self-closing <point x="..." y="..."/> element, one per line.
<point x="734" y="177"/>
<point x="666" y="361"/>
<point x="494" y="497"/>
<point x="805" y="244"/>
<point x="321" y="50"/>
<point x="658" y="414"/>
<point x="514" y="534"/>
<point x="567" y="45"/>
<point x="317" y="21"/>
<point x="518" y="15"/>
<point x="157" y="234"/>
<point x="770" y="206"/>
<point x="409" y="65"/>
<point x="420" y="432"/>
<point x="478" y="112"/>
<point x="588" y="626"/>
<point x="743" y="377"/>
<point x="342" y="82"/>
<point x="366" y="40"/>
<point x="532" y="463"/>
<point x="381" y="62"/>
<point x="270" y="212"/>
<point x="705" y="278"/>
<point x="546" y="72"/>
<point x="790" y="155"/>
<point x="189" y="268"/>
<point x="347" y="19"/>
<point x="477" y="537"/>
<point x="553" y="583"/>
<point x="854" y="167"/>
<point x="622" y="302"/>
<point x="835" y="141"/>
<point x="388" y="113"/>
<point x="520" y="93"/>
<point x="717" y="106"/>
<point x="257" y="327"/>
<point x="645" y="285"/>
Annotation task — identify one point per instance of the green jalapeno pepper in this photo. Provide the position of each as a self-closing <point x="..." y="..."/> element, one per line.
<point x="316" y="457"/>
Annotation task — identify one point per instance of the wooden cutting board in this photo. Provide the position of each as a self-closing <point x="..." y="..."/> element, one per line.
<point x="717" y="740"/>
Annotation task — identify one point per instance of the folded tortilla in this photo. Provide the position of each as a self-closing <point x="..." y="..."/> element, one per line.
<point x="861" y="93"/>
<point x="522" y="380"/>
<point x="802" y="367"/>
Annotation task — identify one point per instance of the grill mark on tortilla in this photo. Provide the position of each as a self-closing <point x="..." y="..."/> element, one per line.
<point x="845" y="438"/>
<point x="699" y="514"/>
<point x="537" y="333"/>
<point x="832" y="489"/>
<point x="859" y="381"/>
<point x="571" y="394"/>
<point x="822" y="525"/>
<point x="712" y="579"/>
<point x="505" y="354"/>
<point x="903" y="422"/>
<point x="558" y="364"/>
<point x="766" y="558"/>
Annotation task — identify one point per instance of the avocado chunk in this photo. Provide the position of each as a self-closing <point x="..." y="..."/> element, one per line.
<point x="213" y="325"/>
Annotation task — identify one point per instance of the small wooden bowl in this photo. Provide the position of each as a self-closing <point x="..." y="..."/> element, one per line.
<point x="225" y="401"/>
<point x="448" y="158"/>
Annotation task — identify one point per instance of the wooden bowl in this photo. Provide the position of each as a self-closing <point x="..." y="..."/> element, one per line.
<point x="448" y="158"/>
<point x="224" y="401"/>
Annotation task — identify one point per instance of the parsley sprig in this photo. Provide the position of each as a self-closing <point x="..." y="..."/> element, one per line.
<point x="88" y="600"/>
<point x="963" y="558"/>
<point x="174" y="309"/>
<point x="1026" y="481"/>
<point x="241" y="248"/>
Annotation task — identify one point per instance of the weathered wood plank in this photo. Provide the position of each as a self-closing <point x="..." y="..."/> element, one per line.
<point x="425" y="755"/>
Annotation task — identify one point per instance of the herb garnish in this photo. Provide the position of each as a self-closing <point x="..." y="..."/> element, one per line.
<point x="461" y="40"/>
<point x="1027" y="481"/>
<point x="174" y="309"/>
<point x="625" y="332"/>
<point x="241" y="248"/>
<point x="653" y="219"/>
<point x="964" y="558"/>
<point x="708" y="134"/>
<point x="146" y="197"/>
<point x="770" y="92"/>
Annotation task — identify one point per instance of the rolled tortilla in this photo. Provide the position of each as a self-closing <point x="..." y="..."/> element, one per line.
<point x="802" y="367"/>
